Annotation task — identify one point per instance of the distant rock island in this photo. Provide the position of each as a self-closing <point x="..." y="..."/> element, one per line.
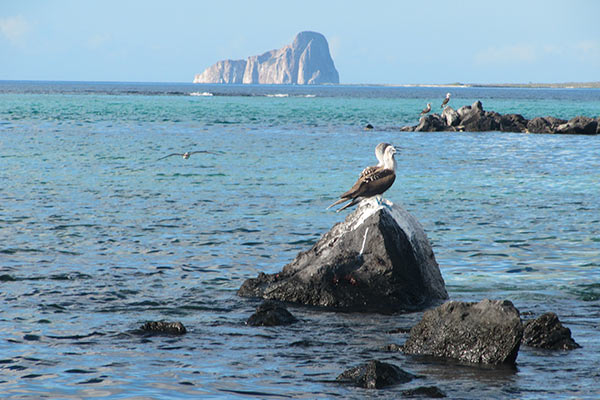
<point x="306" y="61"/>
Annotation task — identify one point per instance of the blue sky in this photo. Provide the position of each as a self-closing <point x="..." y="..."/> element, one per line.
<point x="394" y="42"/>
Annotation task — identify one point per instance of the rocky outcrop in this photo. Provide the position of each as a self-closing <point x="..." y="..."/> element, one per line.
<point x="375" y="375"/>
<point x="270" y="313"/>
<point x="487" y="332"/>
<point x="474" y="118"/>
<point x="306" y="61"/>
<point x="547" y="332"/>
<point x="379" y="259"/>
<point x="162" y="328"/>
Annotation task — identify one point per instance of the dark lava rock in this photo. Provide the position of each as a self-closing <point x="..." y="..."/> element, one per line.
<point x="487" y="332"/>
<point x="513" y="123"/>
<point x="450" y="116"/>
<point x="430" y="392"/>
<point x="271" y="313"/>
<point x="579" y="125"/>
<point x="544" y="124"/>
<point x="163" y="328"/>
<point x="368" y="127"/>
<point x="375" y="375"/>
<point x="431" y="123"/>
<point x="396" y="270"/>
<point x="473" y="118"/>
<point x="547" y="332"/>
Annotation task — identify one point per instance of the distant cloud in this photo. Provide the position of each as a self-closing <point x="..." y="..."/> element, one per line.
<point x="14" y="29"/>
<point x="522" y="53"/>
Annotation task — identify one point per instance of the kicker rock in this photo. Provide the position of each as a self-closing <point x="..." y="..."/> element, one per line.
<point x="378" y="259"/>
<point x="304" y="62"/>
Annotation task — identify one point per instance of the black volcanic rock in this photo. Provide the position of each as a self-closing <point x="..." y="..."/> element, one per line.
<point x="162" y="328"/>
<point x="547" y="332"/>
<point x="271" y="313"/>
<point x="396" y="270"/>
<point x="544" y="124"/>
<point x="429" y="392"/>
<point x="579" y="125"/>
<point x="474" y="118"/>
<point x="375" y="375"/>
<point x="487" y="332"/>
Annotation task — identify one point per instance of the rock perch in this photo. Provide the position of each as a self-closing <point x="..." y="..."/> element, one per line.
<point x="379" y="259"/>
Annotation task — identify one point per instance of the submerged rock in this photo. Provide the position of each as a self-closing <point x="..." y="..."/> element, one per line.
<point x="163" y="328"/>
<point x="487" y="332"/>
<point x="378" y="259"/>
<point x="375" y="375"/>
<point x="547" y="332"/>
<point x="430" y="392"/>
<point x="271" y="313"/>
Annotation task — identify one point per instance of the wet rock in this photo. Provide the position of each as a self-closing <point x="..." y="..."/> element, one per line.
<point x="375" y="375"/>
<point x="431" y="123"/>
<point x="474" y="118"/>
<point x="271" y="313"/>
<point x="450" y="116"/>
<point x="544" y="124"/>
<point x="513" y="123"/>
<point x="379" y="259"/>
<point x="547" y="332"/>
<point x="163" y="328"/>
<point x="430" y="392"/>
<point x="368" y="127"/>
<point x="487" y="332"/>
<point x="579" y="125"/>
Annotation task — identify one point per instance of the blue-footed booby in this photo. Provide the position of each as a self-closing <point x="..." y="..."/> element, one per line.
<point x="373" y="181"/>
<point x="446" y="100"/>
<point x="426" y="109"/>
<point x="186" y="155"/>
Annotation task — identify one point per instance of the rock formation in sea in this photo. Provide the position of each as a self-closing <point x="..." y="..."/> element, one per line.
<point x="306" y="61"/>
<point x="547" y="332"/>
<point x="488" y="332"/>
<point x="270" y="313"/>
<point x="375" y="375"/>
<point x="379" y="259"/>
<point x="474" y="118"/>
<point x="162" y="328"/>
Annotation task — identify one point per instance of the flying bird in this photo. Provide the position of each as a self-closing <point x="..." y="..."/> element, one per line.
<point x="426" y="109"/>
<point x="371" y="182"/>
<point x="446" y="100"/>
<point x="186" y="155"/>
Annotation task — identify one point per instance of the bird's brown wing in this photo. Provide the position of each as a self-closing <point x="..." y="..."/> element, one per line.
<point x="376" y="183"/>
<point x="172" y="154"/>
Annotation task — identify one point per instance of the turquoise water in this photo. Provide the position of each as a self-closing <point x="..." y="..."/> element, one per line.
<point x="97" y="237"/>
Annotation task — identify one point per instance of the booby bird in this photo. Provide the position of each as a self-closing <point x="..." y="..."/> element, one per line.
<point x="186" y="155"/>
<point x="373" y="182"/>
<point x="379" y="150"/>
<point x="446" y="100"/>
<point x="426" y="109"/>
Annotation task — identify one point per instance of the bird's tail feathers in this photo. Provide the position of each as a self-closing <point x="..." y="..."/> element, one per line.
<point x="349" y="204"/>
<point x="337" y="202"/>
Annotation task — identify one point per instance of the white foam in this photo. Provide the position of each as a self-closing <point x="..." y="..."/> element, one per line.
<point x="205" y="94"/>
<point x="278" y="95"/>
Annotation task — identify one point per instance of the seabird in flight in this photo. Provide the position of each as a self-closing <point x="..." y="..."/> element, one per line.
<point x="373" y="182"/>
<point x="426" y="109"/>
<point x="186" y="155"/>
<point x="446" y="100"/>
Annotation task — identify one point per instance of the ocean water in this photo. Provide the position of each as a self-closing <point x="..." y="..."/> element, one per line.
<point x="98" y="237"/>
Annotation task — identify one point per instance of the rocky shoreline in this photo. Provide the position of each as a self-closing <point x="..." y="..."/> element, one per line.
<point x="380" y="260"/>
<point x="474" y="118"/>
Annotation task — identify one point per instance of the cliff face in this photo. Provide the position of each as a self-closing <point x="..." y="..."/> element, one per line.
<point x="306" y="61"/>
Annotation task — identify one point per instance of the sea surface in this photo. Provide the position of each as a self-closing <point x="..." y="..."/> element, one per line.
<point x="97" y="236"/>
